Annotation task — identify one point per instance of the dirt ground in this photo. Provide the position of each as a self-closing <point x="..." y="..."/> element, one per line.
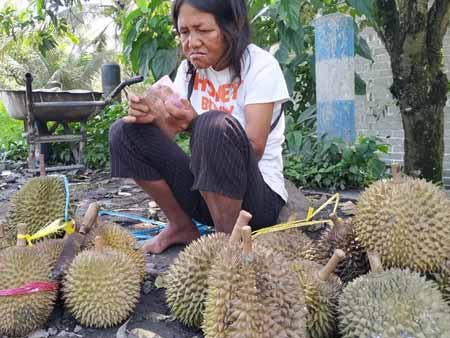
<point x="152" y="314"/>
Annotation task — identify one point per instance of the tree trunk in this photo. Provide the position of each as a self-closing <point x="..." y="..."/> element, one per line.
<point x="413" y="33"/>
<point x="424" y="142"/>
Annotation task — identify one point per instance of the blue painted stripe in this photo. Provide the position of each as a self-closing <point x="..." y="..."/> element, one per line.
<point x="334" y="37"/>
<point x="337" y="119"/>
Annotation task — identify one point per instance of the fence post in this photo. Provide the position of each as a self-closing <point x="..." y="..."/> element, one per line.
<point x="335" y="76"/>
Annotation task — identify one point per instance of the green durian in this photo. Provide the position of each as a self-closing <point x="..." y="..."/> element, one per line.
<point x="406" y="221"/>
<point x="291" y="243"/>
<point x="342" y="236"/>
<point x="253" y="294"/>
<point x="321" y="288"/>
<point x="186" y="279"/>
<point x="50" y="250"/>
<point x="22" y="314"/>
<point x="101" y="287"/>
<point x="39" y="202"/>
<point x="119" y="238"/>
<point x="393" y="303"/>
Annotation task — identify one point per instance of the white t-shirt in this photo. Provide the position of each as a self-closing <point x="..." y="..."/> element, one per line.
<point x="262" y="81"/>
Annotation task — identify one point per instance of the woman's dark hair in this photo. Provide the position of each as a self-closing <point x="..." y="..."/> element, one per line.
<point x="231" y="16"/>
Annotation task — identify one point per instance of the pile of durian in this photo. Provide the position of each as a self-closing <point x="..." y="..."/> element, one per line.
<point x="243" y="288"/>
<point x="100" y="287"/>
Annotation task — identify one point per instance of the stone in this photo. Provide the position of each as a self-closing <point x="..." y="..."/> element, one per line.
<point x="38" y="334"/>
<point x="297" y="205"/>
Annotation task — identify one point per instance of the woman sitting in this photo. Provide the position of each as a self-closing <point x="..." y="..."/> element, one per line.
<point x="232" y="94"/>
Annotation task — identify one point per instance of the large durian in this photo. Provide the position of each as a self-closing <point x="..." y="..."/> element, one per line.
<point x="39" y="202"/>
<point x="405" y="220"/>
<point x="116" y="237"/>
<point x="342" y="236"/>
<point x="393" y="303"/>
<point x="21" y="314"/>
<point x="321" y="288"/>
<point x="253" y="294"/>
<point x="186" y="279"/>
<point x="291" y="243"/>
<point x="101" y="286"/>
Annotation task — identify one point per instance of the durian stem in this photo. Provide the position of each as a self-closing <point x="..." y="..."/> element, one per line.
<point x="42" y="171"/>
<point x="243" y="220"/>
<point x="337" y="221"/>
<point x="325" y="273"/>
<point x="375" y="262"/>
<point x="2" y="230"/>
<point x="246" y="233"/>
<point x="99" y="244"/>
<point x="396" y="175"/>
<point x="89" y="217"/>
<point x="22" y="229"/>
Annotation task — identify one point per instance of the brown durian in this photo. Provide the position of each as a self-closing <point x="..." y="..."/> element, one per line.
<point x="22" y="314"/>
<point x="118" y="238"/>
<point x="253" y="294"/>
<point x="101" y="286"/>
<point x="39" y="202"/>
<point x="342" y="236"/>
<point x="393" y="303"/>
<point x="442" y="278"/>
<point x="291" y="243"/>
<point x="321" y="288"/>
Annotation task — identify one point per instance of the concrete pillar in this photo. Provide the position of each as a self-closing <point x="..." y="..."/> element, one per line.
<point x="335" y="76"/>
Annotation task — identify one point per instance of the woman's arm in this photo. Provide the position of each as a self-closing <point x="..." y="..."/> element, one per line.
<point x="259" y="118"/>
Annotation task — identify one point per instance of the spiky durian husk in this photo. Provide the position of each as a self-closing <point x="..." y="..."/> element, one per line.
<point x="321" y="298"/>
<point x="257" y="297"/>
<point x="291" y="243"/>
<point x="23" y="313"/>
<point x="120" y="239"/>
<point x="442" y="278"/>
<point x="393" y="303"/>
<point x="355" y="262"/>
<point x="101" y="289"/>
<point x="50" y="249"/>
<point x="186" y="280"/>
<point x="40" y="201"/>
<point x="406" y="223"/>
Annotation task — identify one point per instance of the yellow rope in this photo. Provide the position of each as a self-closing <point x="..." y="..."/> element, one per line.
<point x="301" y="223"/>
<point x="55" y="226"/>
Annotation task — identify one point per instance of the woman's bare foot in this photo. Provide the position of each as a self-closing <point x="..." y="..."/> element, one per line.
<point x="171" y="235"/>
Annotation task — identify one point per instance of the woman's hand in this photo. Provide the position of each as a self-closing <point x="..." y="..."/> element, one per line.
<point x="180" y="113"/>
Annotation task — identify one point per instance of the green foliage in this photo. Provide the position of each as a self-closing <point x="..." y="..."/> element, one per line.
<point x="331" y="164"/>
<point x="148" y="39"/>
<point x="12" y="144"/>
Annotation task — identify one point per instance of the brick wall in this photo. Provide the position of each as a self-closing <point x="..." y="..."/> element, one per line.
<point x="376" y="112"/>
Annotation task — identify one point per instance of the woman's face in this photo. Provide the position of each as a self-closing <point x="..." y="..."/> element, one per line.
<point x="201" y="38"/>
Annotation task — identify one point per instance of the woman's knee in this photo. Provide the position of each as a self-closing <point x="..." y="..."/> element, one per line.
<point x="220" y="126"/>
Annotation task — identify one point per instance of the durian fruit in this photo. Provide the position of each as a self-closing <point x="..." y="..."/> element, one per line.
<point x="116" y="237"/>
<point x="186" y="280"/>
<point x="50" y="250"/>
<point x="342" y="236"/>
<point x="40" y="201"/>
<point x="101" y="286"/>
<point x="442" y="278"/>
<point x="253" y="294"/>
<point x="393" y="303"/>
<point x="405" y="220"/>
<point x="291" y="243"/>
<point x="22" y="314"/>
<point x="321" y="288"/>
